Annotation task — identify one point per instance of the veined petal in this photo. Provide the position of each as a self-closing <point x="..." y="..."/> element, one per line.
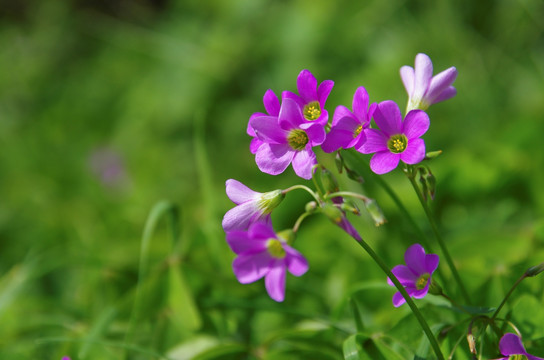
<point x="275" y="281"/>
<point x="290" y="116"/>
<point x="407" y="76"/>
<point x="420" y="294"/>
<point x="439" y="83"/>
<point x="414" y="152"/>
<point x="388" y="118"/>
<point x="241" y="216"/>
<point x="416" y="123"/>
<point x="423" y="74"/>
<point x="360" y="103"/>
<point x="296" y="263"/>
<point x="252" y="267"/>
<point x="303" y="162"/>
<point x="446" y="94"/>
<point x="307" y="86"/>
<point x="323" y="91"/>
<point x="273" y="159"/>
<point x="255" y="144"/>
<point x="239" y="193"/>
<point x="240" y="242"/>
<point x="376" y="141"/>
<point x="511" y="344"/>
<point x="271" y="103"/>
<point x="383" y="162"/>
<point x="268" y="130"/>
<point x="414" y="257"/>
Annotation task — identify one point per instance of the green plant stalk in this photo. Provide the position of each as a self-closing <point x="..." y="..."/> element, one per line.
<point x="409" y="301"/>
<point x="507" y="296"/>
<point x="441" y="243"/>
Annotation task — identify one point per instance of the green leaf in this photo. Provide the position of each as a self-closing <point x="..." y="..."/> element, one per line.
<point x="180" y="300"/>
<point x="353" y="348"/>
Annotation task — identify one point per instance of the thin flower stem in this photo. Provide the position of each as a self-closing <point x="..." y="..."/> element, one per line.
<point x="411" y="176"/>
<point x="507" y="296"/>
<point x="299" y="221"/>
<point x="348" y="194"/>
<point x="303" y="187"/>
<point x="422" y="322"/>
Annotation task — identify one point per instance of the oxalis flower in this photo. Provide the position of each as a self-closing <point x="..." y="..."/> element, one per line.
<point x="272" y="107"/>
<point x="348" y="127"/>
<point x="415" y="276"/>
<point x="312" y="98"/>
<point x="251" y="206"/>
<point x="511" y="346"/>
<point x="286" y="141"/>
<point x="397" y="139"/>
<point x="263" y="253"/>
<point x="422" y="87"/>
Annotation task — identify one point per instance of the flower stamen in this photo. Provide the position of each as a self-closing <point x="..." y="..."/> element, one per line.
<point x="275" y="248"/>
<point x="312" y="111"/>
<point x="357" y="131"/>
<point x="397" y="143"/>
<point x="422" y="281"/>
<point x="297" y="139"/>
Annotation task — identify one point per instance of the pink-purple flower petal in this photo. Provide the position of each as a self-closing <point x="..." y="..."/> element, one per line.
<point x="439" y="83"/>
<point x="407" y="76"/>
<point x="266" y="128"/>
<point x="239" y="242"/>
<point x="398" y="299"/>
<point x="423" y="75"/>
<point x="388" y="118"/>
<point x="303" y="162"/>
<point x="249" y="268"/>
<point x="323" y="91"/>
<point x="376" y="141"/>
<point x="414" y="257"/>
<point x="275" y="281"/>
<point x="273" y="159"/>
<point x="360" y="104"/>
<point x="383" y="162"/>
<point x="414" y="152"/>
<point x="416" y="123"/>
<point x="307" y="85"/>
<point x="239" y="193"/>
<point x="271" y="103"/>
<point x="296" y="263"/>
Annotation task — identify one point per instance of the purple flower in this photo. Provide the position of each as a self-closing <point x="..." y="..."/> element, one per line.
<point x="422" y="87"/>
<point x="287" y="141"/>
<point x="262" y="253"/>
<point x="510" y="345"/>
<point x="251" y="206"/>
<point x="312" y="98"/>
<point x="348" y="127"/>
<point x="272" y="107"/>
<point x="397" y="139"/>
<point x="415" y="276"/>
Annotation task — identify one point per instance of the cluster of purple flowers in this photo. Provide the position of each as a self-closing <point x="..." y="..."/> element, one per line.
<point x="288" y="132"/>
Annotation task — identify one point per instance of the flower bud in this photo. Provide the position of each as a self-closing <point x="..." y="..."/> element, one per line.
<point x="348" y="205"/>
<point x="270" y="200"/>
<point x="471" y="343"/>
<point x="287" y="235"/>
<point x="435" y="288"/>
<point x="535" y="270"/>
<point x="332" y="212"/>
<point x="330" y="185"/>
<point x="375" y="212"/>
<point x="432" y="154"/>
<point x="310" y="207"/>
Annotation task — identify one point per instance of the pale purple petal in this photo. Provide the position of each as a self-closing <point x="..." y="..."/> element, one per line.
<point x="511" y="344"/>
<point x="420" y="294"/>
<point x="307" y="86"/>
<point x="271" y="103"/>
<point x="239" y="193"/>
<point x="273" y="159"/>
<point x="241" y="216"/>
<point x="398" y="299"/>
<point x="422" y="76"/>
<point x="240" y="242"/>
<point x="383" y="162"/>
<point x="416" y="123"/>
<point x="414" y="257"/>
<point x="290" y="116"/>
<point x="349" y="228"/>
<point x="376" y="141"/>
<point x="388" y="118"/>
<point x="251" y="267"/>
<point x="255" y="144"/>
<point x="249" y="129"/>
<point x="275" y="281"/>
<point x="303" y="162"/>
<point x="439" y="83"/>
<point x="296" y="263"/>
<point x="448" y="93"/>
<point x="268" y="130"/>
<point x="360" y="104"/>
<point x="323" y="91"/>
<point x="414" y="152"/>
<point x="431" y="262"/>
<point x="261" y="231"/>
<point x="407" y="76"/>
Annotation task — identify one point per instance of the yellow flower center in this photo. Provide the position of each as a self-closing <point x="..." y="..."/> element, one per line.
<point x="297" y="139"/>
<point x="357" y="131"/>
<point x="275" y="248"/>
<point x="422" y="281"/>
<point x="397" y="143"/>
<point x="517" y="357"/>
<point x="312" y="111"/>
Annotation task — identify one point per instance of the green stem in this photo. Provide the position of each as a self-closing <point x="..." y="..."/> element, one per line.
<point x="348" y="194"/>
<point x="426" y="329"/>
<point x="411" y="176"/>
<point x="303" y="187"/>
<point x="507" y="296"/>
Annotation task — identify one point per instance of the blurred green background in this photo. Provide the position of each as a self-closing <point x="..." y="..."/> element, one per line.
<point x="108" y="107"/>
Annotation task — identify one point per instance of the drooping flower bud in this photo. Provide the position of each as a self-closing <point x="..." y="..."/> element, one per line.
<point x="375" y="212"/>
<point x="332" y="212"/>
<point x="535" y="270"/>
